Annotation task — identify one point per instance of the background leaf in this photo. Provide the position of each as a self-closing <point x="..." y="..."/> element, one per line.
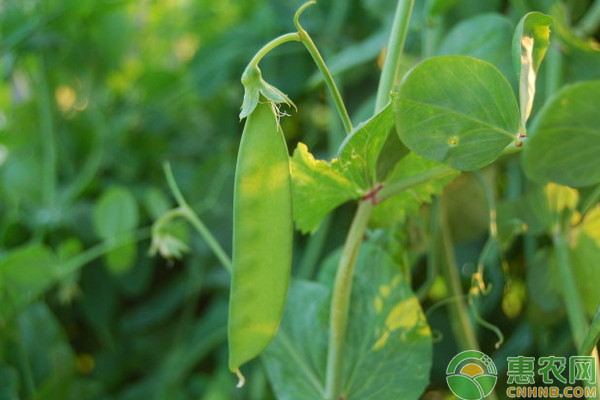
<point x="25" y="274"/>
<point x="565" y="140"/>
<point x="116" y="214"/>
<point x="457" y="110"/>
<point x="388" y="345"/>
<point x="486" y="37"/>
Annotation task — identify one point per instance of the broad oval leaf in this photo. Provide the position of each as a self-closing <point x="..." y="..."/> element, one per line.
<point x="530" y="42"/>
<point x="116" y="212"/>
<point x="457" y="110"/>
<point x="564" y="143"/>
<point x="388" y="344"/>
<point x="262" y="237"/>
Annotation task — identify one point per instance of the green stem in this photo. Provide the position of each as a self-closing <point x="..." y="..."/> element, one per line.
<point x="92" y="163"/>
<point x="592" y="337"/>
<point x="391" y="66"/>
<point x="314" y="52"/>
<point x="589" y="24"/>
<point x="186" y="211"/>
<point x="432" y="254"/>
<point x="571" y="296"/>
<point x="340" y="302"/>
<point x="288" y="37"/>
<point x="89" y="255"/>
<point x="48" y="135"/>
<point x="209" y="239"/>
<point x="394" y="188"/>
<point x="461" y="323"/>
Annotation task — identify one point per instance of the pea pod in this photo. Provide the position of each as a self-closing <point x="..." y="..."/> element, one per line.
<point x="262" y="237"/>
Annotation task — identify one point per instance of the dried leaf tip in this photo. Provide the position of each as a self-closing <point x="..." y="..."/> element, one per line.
<point x="241" y="378"/>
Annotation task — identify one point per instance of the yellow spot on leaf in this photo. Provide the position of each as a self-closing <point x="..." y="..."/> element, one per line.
<point x="385" y="290"/>
<point x="378" y="304"/>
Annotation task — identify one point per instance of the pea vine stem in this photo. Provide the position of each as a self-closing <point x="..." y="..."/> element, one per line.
<point x="288" y="37"/>
<point x="185" y="211"/>
<point x="316" y="55"/>
<point x="394" y="188"/>
<point x="47" y="134"/>
<point x="340" y="302"/>
<point x="571" y="296"/>
<point x="592" y="337"/>
<point x="342" y="288"/>
<point x="391" y="66"/>
<point x="591" y="21"/>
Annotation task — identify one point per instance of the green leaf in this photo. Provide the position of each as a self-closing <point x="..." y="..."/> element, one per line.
<point x="121" y="259"/>
<point x="433" y="8"/>
<point x="156" y="202"/>
<point x="361" y="151"/>
<point x="543" y="283"/>
<point x="25" y="274"/>
<point x="115" y="212"/>
<point x="530" y="42"/>
<point x="388" y="345"/>
<point x="9" y="383"/>
<point x="564" y="143"/>
<point x="585" y="266"/>
<point x="318" y="187"/>
<point x="365" y="157"/>
<point x="47" y="350"/>
<point x="407" y="202"/>
<point x="485" y="37"/>
<point x="457" y="110"/>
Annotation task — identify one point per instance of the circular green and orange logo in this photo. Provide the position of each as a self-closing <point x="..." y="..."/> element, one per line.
<point x="471" y="375"/>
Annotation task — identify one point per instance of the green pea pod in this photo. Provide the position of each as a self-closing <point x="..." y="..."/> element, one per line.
<point x="262" y="237"/>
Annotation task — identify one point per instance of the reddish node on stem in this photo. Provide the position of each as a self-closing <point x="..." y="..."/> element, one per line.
<point x="372" y="195"/>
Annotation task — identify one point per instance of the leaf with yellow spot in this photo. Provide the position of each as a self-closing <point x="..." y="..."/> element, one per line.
<point x="318" y="186"/>
<point x="388" y="345"/>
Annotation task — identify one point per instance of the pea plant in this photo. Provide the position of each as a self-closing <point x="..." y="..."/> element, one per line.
<point x="453" y="114"/>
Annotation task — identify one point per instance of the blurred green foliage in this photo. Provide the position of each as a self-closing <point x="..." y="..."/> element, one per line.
<point x="94" y="96"/>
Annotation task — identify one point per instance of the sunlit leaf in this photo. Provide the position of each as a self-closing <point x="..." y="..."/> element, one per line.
<point x="457" y="110"/>
<point x="318" y="187"/>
